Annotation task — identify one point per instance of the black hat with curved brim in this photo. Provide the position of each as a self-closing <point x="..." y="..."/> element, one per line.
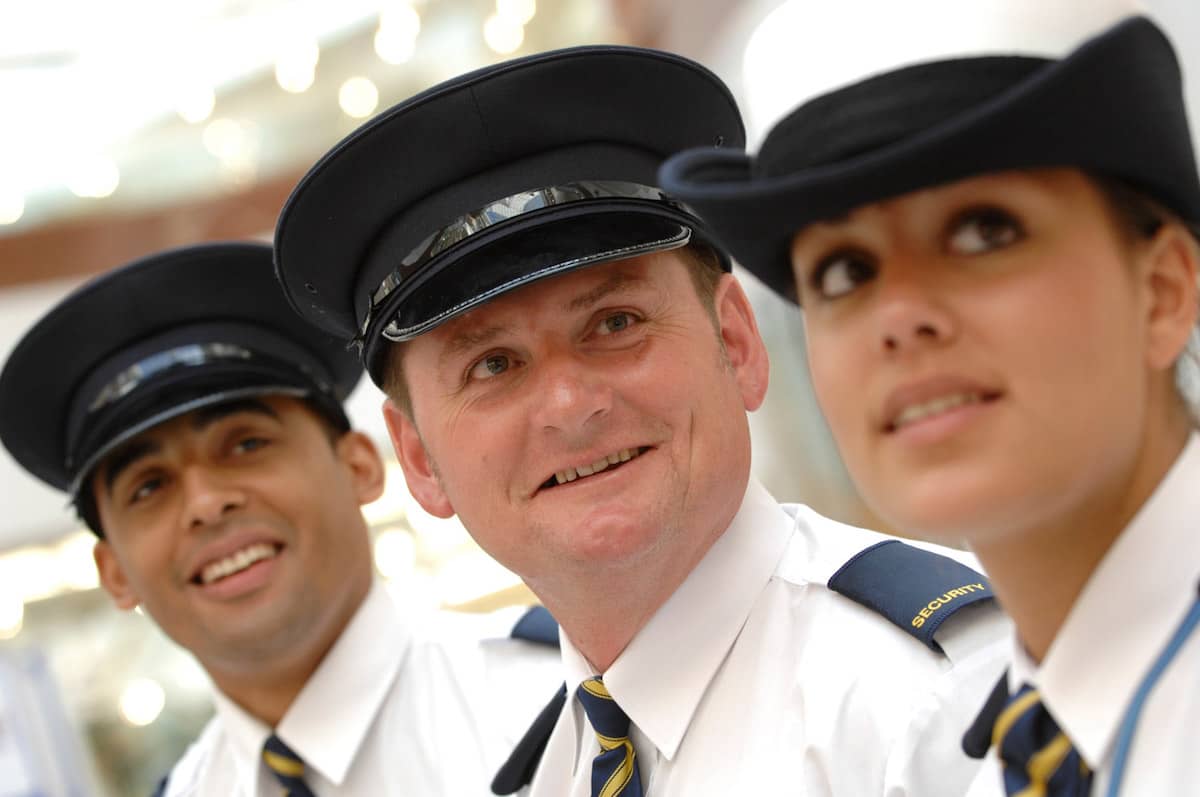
<point x="162" y="336"/>
<point x="489" y="181"/>
<point x="1113" y="107"/>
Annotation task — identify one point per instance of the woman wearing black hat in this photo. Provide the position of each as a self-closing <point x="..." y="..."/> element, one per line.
<point x="998" y="269"/>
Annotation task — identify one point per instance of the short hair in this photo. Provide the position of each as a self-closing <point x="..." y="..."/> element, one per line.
<point x="704" y="267"/>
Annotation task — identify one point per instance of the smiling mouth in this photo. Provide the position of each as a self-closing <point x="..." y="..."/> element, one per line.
<point x="235" y="563"/>
<point x="938" y="406"/>
<point x="610" y="462"/>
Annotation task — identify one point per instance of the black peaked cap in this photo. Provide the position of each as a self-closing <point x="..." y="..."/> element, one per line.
<point x="165" y="334"/>
<point x="600" y="113"/>
<point x="1113" y="107"/>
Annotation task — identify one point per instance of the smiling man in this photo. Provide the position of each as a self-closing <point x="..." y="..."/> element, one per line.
<point x="569" y="364"/>
<point x="197" y="424"/>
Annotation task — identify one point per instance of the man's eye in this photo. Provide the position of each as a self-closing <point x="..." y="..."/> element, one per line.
<point x="982" y="230"/>
<point x="617" y="322"/>
<point x="840" y="273"/>
<point x="248" y="444"/>
<point x="489" y="366"/>
<point x="145" y="489"/>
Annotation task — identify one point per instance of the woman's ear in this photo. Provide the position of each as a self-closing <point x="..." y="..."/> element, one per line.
<point x="1170" y="274"/>
<point x="420" y="471"/>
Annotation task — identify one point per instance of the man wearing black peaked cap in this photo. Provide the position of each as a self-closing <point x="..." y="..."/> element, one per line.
<point x="196" y="423"/>
<point x="569" y="365"/>
<point x="996" y="251"/>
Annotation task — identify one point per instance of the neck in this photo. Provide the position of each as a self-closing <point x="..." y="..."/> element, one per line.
<point x="1039" y="572"/>
<point x="265" y="683"/>
<point x="601" y="608"/>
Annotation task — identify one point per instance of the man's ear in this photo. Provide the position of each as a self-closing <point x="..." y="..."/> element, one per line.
<point x="419" y="470"/>
<point x="358" y="452"/>
<point x="112" y="576"/>
<point x="1170" y="274"/>
<point x="744" y="347"/>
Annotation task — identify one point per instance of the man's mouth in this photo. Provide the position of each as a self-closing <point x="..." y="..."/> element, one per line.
<point x="609" y="462"/>
<point x="235" y="563"/>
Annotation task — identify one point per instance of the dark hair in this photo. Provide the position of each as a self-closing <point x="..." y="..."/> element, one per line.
<point x="704" y="267"/>
<point x="1139" y="216"/>
<point x="329" y="412"/>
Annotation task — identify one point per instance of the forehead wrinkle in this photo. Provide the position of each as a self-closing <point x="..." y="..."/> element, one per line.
<point x="616" y="282"/>
<point x="466" y="339"/>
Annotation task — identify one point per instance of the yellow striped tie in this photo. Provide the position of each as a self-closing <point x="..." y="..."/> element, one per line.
<point x="1039" y="760"/>
<point x="286" y="766"/>
<point x="615" y="770"/>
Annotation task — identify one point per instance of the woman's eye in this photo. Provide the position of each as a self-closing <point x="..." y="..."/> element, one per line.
<point x="617" y="322"/>
<point x="979" y="231"/>
<point x="489" y="366"/>
<point x="839" y="274"/>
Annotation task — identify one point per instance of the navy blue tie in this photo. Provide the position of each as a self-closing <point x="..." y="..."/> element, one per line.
<point x="1039" y="760"/>
<point x="286" y="766"/>
<point x="615" y="770"/>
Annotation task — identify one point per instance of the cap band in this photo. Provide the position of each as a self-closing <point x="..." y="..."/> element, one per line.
<point x="135" y="375"/>
<point x="398" y="333"/>
<point x="498" y="212"/>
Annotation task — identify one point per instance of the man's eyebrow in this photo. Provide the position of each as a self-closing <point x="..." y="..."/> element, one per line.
<point x="617" y="281"/>
<point x="201" y="419"/>
<point x="207" y="416"/>
<point x="125" y="456"/>
<point x="467" y="339"/>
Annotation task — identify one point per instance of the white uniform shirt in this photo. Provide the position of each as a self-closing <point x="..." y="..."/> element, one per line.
<point x="1121" y="621"/>
<point x="393" y="709"/>
<point x="755" y="678"/>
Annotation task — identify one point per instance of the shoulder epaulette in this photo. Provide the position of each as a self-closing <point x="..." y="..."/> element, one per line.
<point x="537" y="625"/>
<point x="914" y="588"/>
<point x="523" y="762"/>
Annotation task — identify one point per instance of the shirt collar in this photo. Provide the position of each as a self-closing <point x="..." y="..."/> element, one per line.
<point x="686" y="640"/>
<point x="1126" y="613"/>
<point x="329" y="719"/>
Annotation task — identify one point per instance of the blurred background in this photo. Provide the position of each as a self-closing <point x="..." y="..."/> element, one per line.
<point x="134" y="125"/>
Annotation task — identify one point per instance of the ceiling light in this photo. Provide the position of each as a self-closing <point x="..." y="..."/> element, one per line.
<point x="358" y="97"/>
<point x="95" y="178"/>
<point x="518" y="10"/>
<point x="196" y="105"/>
<point x="392" y="47"/>
<point x="395" y="553"/>
<point x="503" y="34"/>
<point x="12" y="207"/>
<point x="142" y="701"/>
<point x="296" y="66"/>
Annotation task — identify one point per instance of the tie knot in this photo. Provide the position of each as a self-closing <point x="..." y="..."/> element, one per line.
<point x="602" y="711"/>
<point x="286" y="766"/>
<point x="1035" y="752"/>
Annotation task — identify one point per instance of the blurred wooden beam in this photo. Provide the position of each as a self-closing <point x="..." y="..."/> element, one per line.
<point x="84" y="246"/>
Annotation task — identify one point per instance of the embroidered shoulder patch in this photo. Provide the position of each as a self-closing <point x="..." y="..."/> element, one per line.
<point x="914" y="588"/>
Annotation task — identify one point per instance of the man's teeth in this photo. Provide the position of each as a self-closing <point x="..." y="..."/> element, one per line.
<point x="571" y="474"/>
<point x="236" y="562"/>
<point x="916" y="412"/>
